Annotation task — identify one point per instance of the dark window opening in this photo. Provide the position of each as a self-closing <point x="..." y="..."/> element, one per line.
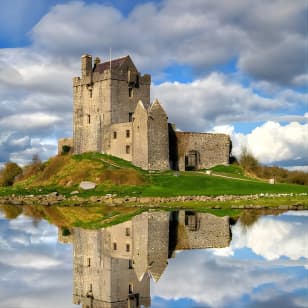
<point x="114" y="135"/>
<point x="89" y="118"/>
<point x="114" y="246"/>
<point x="89" y="262"/>
<point x="127" y="149"/>
<point x="128" y="133"/>
<point x="130" y="288"/>
<point x="130" y="264"/>
<point x="127" y="232"/>
<point x="127" y="247"/>
<point x="130" y="92"/>
<point x="130" y="117"/>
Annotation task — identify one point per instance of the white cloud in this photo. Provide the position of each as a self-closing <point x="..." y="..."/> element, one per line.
<point x="273" y="142"/>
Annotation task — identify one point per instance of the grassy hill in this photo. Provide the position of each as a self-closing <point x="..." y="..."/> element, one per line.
<point x="116" y="176"/>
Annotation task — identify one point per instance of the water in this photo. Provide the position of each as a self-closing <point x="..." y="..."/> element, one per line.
<point x="158" y="259"/>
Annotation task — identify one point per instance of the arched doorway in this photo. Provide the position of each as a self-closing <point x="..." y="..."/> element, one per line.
<point x="192" y="159"/>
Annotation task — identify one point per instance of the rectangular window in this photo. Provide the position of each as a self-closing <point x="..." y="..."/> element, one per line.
<point x="130" y="92"/>
<point x="127" y="247"/>
<point x="127" y="232"/>
<point x="114" y="246"/>
<point x="114" y="135"/>
<point x="89" y="262"/>
<point x="130" y="264"/>
<point x="130" y="117"/>
<point x="127" y="149"/>
<point x="127" y="133"/>
<point x="89" y="119"/>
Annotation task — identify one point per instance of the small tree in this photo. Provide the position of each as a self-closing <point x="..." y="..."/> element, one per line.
<point x="10" y="172"/>
<point x="249" y="162"/>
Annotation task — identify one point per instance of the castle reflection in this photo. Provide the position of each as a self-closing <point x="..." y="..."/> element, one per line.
<point x="113" y="266"/>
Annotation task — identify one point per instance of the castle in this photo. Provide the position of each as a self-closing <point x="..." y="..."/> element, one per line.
<point x="113" y="115"/>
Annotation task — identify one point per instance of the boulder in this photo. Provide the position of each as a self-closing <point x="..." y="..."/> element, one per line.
<point x="86" y="185"/>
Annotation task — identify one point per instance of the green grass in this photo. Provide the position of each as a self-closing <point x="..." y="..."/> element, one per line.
<point x="117" y="176"/>
<point x="166" y="185"/>
<point x="190" y="183"/>
<point x="228" y="169"/>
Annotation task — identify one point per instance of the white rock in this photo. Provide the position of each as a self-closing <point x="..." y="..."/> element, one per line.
<point x="87" y="185"/>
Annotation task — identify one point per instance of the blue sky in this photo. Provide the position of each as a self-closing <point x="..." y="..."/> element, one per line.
<point x="238" y="68"/>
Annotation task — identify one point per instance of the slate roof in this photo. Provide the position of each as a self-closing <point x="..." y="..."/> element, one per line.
<point x="115" y="64"/>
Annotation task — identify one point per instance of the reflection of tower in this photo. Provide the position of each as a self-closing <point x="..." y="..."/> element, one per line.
<point x="112" y="266"/>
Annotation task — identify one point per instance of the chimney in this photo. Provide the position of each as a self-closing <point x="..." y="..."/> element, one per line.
<point x="86" y="65"/>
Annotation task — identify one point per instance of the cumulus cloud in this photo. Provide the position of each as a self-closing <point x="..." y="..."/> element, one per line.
<point x="209" y="32"/>
<point x="219" y="99"/>
<point x="273" y="142"/>
<point x="265" y="42"/>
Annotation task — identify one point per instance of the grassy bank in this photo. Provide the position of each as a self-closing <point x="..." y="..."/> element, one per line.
<point x="116" y="176"/>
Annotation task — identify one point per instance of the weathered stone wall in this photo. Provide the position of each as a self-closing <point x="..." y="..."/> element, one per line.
<point x="140" y="137"/>
<point x="158" y="138"/>
<point x="92" y="116"/>
<point x="211" y="149"/>
<point x="64" y="141"/>
<point x="121" y="140"/>
<point x="102" y="99"/>
<point x="202" y="230"/>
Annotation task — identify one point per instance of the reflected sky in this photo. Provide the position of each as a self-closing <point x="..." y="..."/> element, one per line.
<point x="35" y="270"/>
<point x="264" y="266"/>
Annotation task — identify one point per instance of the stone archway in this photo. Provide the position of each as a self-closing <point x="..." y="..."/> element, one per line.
<point x="192" y="159"/>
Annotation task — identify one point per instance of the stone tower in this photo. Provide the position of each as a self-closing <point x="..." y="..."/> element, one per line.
<point x="105" y="96"/>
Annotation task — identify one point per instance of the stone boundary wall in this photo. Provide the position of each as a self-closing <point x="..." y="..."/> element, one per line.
<point x="113" y="200"/>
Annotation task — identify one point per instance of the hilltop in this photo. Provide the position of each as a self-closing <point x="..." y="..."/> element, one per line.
<point x="116" y="176"/>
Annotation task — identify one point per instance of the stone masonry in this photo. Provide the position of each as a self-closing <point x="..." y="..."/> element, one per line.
<point x="113" y="115"/>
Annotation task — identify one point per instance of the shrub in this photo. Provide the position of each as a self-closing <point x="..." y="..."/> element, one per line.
<point x="10" y="172"/>
<point x="248" y="162"/>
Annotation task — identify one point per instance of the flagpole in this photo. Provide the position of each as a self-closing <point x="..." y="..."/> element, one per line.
<point x="110" y="58"/>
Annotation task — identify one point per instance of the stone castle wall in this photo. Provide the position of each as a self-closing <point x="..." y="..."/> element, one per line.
<point x="210" y="149"/>
<point x="140" y="137"/>
<point x="158" y="138"/>
<point x="121" y="140"/>
<point x="64" y="141"/>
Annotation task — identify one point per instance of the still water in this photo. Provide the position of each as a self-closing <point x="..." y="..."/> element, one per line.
<point x="157" y="259"/>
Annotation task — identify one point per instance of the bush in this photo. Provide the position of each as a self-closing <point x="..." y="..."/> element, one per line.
<point x="10" y="172"/>
<point x="32" y="169"/>
<point x="248" y="162"/>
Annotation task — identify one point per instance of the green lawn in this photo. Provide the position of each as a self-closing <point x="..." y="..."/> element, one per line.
<point x="191" y="183"/>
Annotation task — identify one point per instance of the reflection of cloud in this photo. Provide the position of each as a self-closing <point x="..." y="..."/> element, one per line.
<point x="219" y="278"/>
<point x="34" y="268"/>
<point x="274" y="237"/>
